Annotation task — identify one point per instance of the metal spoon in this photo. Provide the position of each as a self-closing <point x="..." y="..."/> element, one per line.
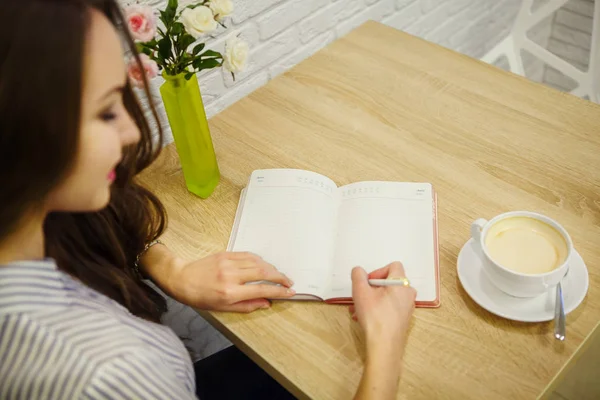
<point x="559" y="315"/>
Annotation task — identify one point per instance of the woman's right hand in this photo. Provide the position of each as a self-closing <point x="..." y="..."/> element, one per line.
<point x="384" y="313"/>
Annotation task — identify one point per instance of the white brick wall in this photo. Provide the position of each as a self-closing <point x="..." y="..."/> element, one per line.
<point x="282" y="33"/>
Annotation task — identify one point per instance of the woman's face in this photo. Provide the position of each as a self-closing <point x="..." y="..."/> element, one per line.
<point x="105" y="126"/>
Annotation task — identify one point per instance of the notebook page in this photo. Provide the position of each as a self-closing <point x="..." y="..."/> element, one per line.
<point x="288" y="218"/>
<point x="381" y="222"/>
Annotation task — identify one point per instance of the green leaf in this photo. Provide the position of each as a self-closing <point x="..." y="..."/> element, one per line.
<point x="185" y="41"/>
<point x="185" y="61"/>
<point x="177" y="28"/>
<point x="169" y="13"/>
<point x="192" y="6"/>
<point x="189" y="75"/>
<point x="198" y="48"/>
<point x="164" y="18"/>
<point x="211" y="54"/>
<point x="147" y="51"/>
<point x="164" y="47"/>
<point x="156" y="58"/>
<point x="172" y="5"/>
<point x="182" y="63"/>
<point x="141" y="46"/>
<point x="200" y="64"/>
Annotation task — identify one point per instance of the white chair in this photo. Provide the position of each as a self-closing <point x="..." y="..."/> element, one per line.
<point x="588" y="81"/>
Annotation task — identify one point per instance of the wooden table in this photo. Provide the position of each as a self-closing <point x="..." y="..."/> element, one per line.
<point x="379" y="104"/>
<point x="578" y="379"/>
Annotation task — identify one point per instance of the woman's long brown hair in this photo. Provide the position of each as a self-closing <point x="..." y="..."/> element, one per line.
<point x="97" y="248"/>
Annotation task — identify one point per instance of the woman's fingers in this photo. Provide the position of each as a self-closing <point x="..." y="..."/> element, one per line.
<point x="394" y="269"/>
<point x="360" y="285"/>
<point x="243" y="274"/>
<point x="263" y="272"/>
<point x="380" y="273"/>
<point x="247" y="263"/>
<point x="261" y="291"/>
<point x="251" y="268"/>
<point x="241" y="255"/>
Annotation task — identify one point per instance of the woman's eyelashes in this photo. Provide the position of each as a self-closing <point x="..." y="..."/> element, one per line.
<point x="111" y="113"/>
<point x="108" y="116"/>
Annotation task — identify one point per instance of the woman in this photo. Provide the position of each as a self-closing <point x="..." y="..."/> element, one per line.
<point x="82" y="324"/>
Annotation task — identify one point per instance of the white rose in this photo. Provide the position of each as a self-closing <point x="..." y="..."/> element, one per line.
<point x="198" y="21"/>
<point x="236" y="55"/>
<point x="221" y="8"/>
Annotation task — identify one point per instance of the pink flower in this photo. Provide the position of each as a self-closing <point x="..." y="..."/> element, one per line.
<point x="136" y="74"/>
<point x="141" y="22"/>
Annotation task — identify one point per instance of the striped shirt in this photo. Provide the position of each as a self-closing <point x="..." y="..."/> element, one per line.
<point x="59" y="339"/>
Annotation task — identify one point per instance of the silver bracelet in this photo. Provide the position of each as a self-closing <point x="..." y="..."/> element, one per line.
<point x="136" y="264"/>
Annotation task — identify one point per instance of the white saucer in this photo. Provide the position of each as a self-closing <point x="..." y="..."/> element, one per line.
<point x="534" y="309"/>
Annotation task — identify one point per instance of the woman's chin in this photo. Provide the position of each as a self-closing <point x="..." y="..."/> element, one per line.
<point x="101" y="201"/>
<point x="82" y="204"/>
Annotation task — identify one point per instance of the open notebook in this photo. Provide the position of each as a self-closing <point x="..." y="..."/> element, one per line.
<point x="315" y="232"/>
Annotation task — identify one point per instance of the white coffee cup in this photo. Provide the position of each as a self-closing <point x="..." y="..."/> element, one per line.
<point x="510" y="281"/>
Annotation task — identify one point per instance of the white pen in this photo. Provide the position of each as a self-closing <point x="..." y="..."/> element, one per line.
<point x="389" y="282"/>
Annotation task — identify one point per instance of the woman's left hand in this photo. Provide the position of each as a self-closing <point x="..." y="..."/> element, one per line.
<point x="219" y="282"/>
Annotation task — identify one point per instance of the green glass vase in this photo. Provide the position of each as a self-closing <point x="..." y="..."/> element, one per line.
<point x="189" y="125"/>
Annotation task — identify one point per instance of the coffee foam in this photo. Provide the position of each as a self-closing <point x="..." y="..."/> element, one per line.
<point x="526" y="245"/>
